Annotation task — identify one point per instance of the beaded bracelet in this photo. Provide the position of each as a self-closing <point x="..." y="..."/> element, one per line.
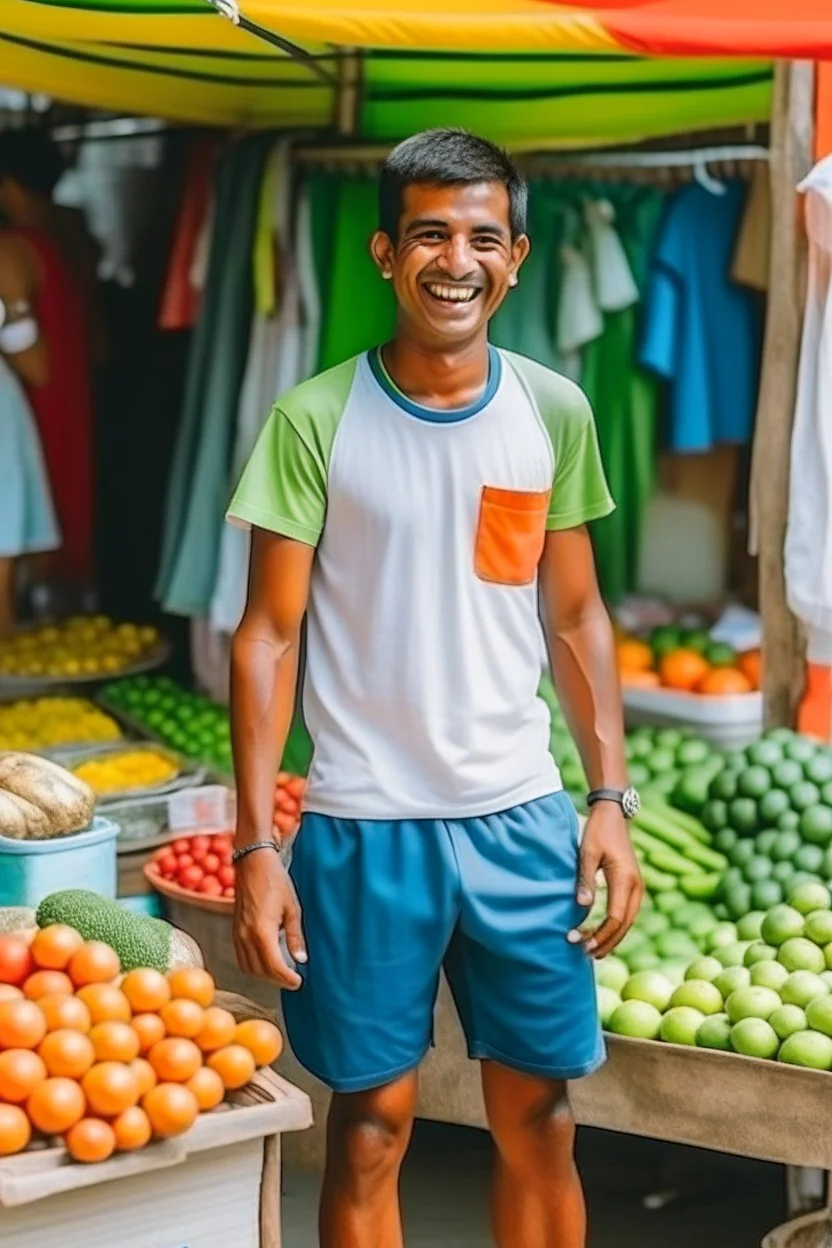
<point x="249" y="849"/>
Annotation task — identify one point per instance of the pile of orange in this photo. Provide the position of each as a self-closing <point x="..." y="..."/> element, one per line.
<point x="686" y="670"/>
<point x="108" y="1062"/>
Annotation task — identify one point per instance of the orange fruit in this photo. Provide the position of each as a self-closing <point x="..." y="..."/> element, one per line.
<point x="132" y="1130"/>
<point x="15" y="1130"/>
<point x="683" y="669"/>
<point x="207" y="1087"/>
<point x="90" y="1140"/>
<point x="640" y="680"/>
<point x="93" y="963"/>
<point x="106" y="1003"/>
<point x="175" y="1059"/>
<point x="724" y="680"/>
<point x="171" y="1107"/>
<point x="53" y="946"/>
<point x="21" y="1071"/>
<point x="149" y="1028"/>
<point x="146" y="990"/>
<point x="633" y="655"/>
<point x="751" y="666"/>
<point x="65" y="1013"/>
<point x="217" y="1030"/>
<point x="192" y="984"/>
<point x="234" y="1065"/>
<point x="182" y="1018"/>
<point x="15" y="958"/>
<point x="67" y="1053"/>
<point x="114" y="1042"/>
<point x="22" y="1025"/>
<point x="145" y="1074"/>
<point x="110" y="1088"/>
<point x="262" y="1039"/>
<point x="8" y="992"/>
<point x="47" y="984"/>
<point x="55" y="1105"/>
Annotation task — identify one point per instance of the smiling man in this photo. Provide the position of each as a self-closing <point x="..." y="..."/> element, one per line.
<point x="424" y="507"/>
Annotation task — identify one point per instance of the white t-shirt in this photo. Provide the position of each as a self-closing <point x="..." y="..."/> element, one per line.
<point x="424" y="640"/>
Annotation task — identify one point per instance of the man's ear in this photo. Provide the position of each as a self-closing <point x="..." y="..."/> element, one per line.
<point x="383" y="253"/>
<point x="520" y="249"/>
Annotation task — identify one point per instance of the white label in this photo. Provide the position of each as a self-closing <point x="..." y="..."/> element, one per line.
<point x="211" y="808"/>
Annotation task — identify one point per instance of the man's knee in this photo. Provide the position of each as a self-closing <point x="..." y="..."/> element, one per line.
<point x="538" y="1122"/>
<point x="369" y="1133"/>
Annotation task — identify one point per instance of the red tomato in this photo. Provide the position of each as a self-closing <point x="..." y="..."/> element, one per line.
<point x="285" y="824"/>
<point x="16" y="963"/>
<point x="191" y="876"/>
<point x="296" y="786"/>
<point x="284" y="803"/>
<point x="182" y="845"/>
<point x="211" y="864"/>
<point x="168" y="865"/>
<point x="185" y="860"/>
<point x="282" y="778"/>
<point x="225" y="875"/>
<point x="228" y="892"/>
<point x="210" y="886"/>
<point x="200" y="845"/>
<point x="225" y="855"/>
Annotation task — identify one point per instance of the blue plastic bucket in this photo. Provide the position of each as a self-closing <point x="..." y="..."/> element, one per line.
<point x="31" y="870"/>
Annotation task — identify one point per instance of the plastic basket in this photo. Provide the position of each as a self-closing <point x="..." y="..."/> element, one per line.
<point x="31" y="870"/>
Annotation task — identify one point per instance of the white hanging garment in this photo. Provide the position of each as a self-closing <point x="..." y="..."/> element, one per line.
<point x="579" y="319"/>
<point x="27" y="515"/>
<point x="808" y="548"/>
<point x="615" y="287"/>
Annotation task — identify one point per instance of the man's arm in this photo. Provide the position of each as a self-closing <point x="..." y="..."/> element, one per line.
<point x="18" y="290"/>
<point x="264" y="673"/>
<point x="582" y="658"/>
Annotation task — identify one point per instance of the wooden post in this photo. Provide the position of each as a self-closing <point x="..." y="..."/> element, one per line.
<point x="348" y="95"/>
<point x="791" y="159"/>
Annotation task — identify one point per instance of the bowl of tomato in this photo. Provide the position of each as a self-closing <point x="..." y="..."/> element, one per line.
<point x="196" y="868"/>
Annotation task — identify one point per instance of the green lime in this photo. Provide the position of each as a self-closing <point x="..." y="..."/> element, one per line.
<point x="809" y="897"/>
<point x="827" y="953"/>
<point x="766" y="893"/>
<point x="753" y="782"/>
<point x="725" y="838"/>
<point x="757" y="868"/>
<point x="608" y="1002"/>
<point x="723" y="934"/>
<point x="700" y="925"/>
<point x="786" y="774"/>
<point x="786" y="846"/>
<point x="783" y="735"/>
<point x="742" y="853"/>
<point x="707" y="968"/>
<point x="739" y="900"/>
<point x="752" y="1002"/>
<point x="637" y="1019"/>
<point x="669" y="738"/>
<point x="723" y="787"/>
<point x="650" y="986"/>
<point x="674" y="944"/>
<point x="787" y="1020"/>
<point x="653" y="921"/>
<point x="612" y="972"/>
<point x="819" y="769"/>
<point x="742" y="816"/>
<point x="819" y="927"/>
<point x="801" y="749"/>
<point x="715" y="815"/>
<point x="799" y="954"/>
<point x="750" y="925"/>
<point x="697" y="639"/>
<point x="826" y="793"/>
<point x="807" y="1048"/>
<point x="699" y="994"/>
<point x="754" y="1037"/>
<point x="732" y="955"/>
<point x="664" y="639"/>
<point x="816" y="825"/>
<point x="803" y="795"/>
<point x="766" y="753"/>
<point x="809" y="858"/>
<point x="696" y="751"/>
<point x="769" y="975"/>
<point x="759" y="952"/>
<point x="721" y="912"/>
<point x="720" y="655"/>
<point x="819" y="1014"/>
<point x="783" y="873"/>
<point x="640" y="744"/>
<point x="715" y="1033"/>
<point x="668" y="902"/>
<point x="773" y="804"/>
<point x="674" y="970"/>
<point x="689" y="913"/>
<point x="640" y="775"/>
<point x="827" y="862"/>
<point x="681" y="1024"/>
<point x="765" y="841"/>
<point x="802" y="987"/>
<point x="780" y="924"/>
<point x="826" y="976"/>
<point x="732" y="876"/>
<point x="732" y="978"/>
<point x="661" y="760"/>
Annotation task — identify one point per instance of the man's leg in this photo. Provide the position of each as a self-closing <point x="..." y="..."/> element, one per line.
<point x="367" y="1138"/>
<point x="536" y="1196"/>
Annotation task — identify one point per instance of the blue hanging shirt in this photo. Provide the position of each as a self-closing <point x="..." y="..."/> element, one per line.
<point x="702" y="332"/>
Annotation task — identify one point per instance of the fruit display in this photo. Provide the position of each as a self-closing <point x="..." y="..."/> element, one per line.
<point x="199" y="864"/>
<point x="676" y="853"/>
<point x="190" y="723"/>
<point x="288" y="800"/>
<point x="138" y="939"/>
<point x="688" y="661"/>
<point x="49" y="723"/>
<point x="40" y="800"/>
<point x="82" y="647"/>
<point x="128" y="770"/>
<point x="107" y="1062"/>
<point x="764" y="988"/>
<point x="658" y="758"/>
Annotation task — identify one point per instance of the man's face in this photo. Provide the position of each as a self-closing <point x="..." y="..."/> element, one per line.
<point x="453" y="260"/>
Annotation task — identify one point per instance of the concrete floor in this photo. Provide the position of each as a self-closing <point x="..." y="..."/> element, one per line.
<point x="724" y="1202"/>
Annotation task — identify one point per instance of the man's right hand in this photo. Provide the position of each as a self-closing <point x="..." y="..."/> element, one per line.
<point x="265" y="904"/>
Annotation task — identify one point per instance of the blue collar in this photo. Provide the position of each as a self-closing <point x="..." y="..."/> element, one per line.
<point x="439" y="416"/>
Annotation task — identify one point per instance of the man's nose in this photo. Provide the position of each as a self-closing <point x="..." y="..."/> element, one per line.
<point x="456" y="259"/>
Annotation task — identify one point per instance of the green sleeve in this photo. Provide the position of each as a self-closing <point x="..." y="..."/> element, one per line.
<point x="580" y="492"/>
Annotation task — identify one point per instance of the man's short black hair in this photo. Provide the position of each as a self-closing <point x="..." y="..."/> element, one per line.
<point x="448" y="157"/>
<point x="32" y="158"/>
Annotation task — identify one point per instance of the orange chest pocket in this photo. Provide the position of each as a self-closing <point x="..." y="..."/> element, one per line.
<point x="511" y="531"/>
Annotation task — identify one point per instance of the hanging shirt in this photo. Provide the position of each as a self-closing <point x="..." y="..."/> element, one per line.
<point x="702" y="333"/>
<point x="808" y="549"/>
<point x="424" y="641"/>
<point x="27" y="517"/>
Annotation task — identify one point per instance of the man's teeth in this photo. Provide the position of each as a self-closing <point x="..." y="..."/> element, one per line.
<point x="453" y="294"/>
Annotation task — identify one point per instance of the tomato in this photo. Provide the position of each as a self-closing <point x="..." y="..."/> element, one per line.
<point x="200" y="846"/>
<point x="226" y="875"/>
<point x="285" y="824"/>
<point x="228" y="892"/>
<point x="182" y="845"/>
<point x="284" y="803"/>
<point x="16" y="963"/>
<point x="168" y="866"/>
<point x="185" y="860"/>
<point x="296" y="785"/>
<point x="191" y="876"/>
<point x="210" y="864"/>
<point x="210" y="886"/>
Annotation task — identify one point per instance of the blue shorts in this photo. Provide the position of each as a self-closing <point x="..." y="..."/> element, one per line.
<point x="387" y="904"/>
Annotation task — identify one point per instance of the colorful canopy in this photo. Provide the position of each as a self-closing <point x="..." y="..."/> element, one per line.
<point x="531" y="69"/>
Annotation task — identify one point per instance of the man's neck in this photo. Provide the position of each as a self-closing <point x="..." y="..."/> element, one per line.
<point x="436" y="378"/>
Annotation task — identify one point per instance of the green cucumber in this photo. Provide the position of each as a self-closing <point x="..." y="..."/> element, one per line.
<point x="668" y="860"/>
<point x="656" y="881"/>
<point x="701" y="887"/>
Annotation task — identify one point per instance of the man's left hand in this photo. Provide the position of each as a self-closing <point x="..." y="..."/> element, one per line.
<point x="606" y="845"/>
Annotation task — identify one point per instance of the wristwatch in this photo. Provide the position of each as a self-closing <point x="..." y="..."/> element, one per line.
<point x="628" y="799"/>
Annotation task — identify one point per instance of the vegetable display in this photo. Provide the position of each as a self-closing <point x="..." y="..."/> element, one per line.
<point x="48" y="723"/>
<point x="190" y="723"/>
<point x="107" y="1062"/>
<point x="689" y="661"/>
<point x="128" y="769"/>
<point x="658" y="759"/>
<point x="137" y="939"/>
<point x="83" y="646"/>
<point x="200" y="864"/>
<point x="39" y="799"/>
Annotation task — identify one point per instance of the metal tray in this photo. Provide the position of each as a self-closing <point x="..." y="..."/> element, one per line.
<point x="38" y="686"/>
<point x="187" y="774"/>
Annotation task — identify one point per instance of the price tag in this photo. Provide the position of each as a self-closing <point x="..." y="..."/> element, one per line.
<point x="211" y="808"/>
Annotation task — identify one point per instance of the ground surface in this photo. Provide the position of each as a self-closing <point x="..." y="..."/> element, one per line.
<point x="724" y="1202"/>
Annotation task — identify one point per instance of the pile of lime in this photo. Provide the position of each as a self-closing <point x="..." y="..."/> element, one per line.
<point x="659" y="758"/>
<point x="770" y="812"/>
<point x="763" y="990"/>
<point x="669" y="931"/>
<point x="190" y="723"/>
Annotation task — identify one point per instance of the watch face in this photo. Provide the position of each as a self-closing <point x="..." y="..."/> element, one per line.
<point x="630" y="802"/>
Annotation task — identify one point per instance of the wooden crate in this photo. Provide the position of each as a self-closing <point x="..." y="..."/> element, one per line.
<point x="214" y="1186"/>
